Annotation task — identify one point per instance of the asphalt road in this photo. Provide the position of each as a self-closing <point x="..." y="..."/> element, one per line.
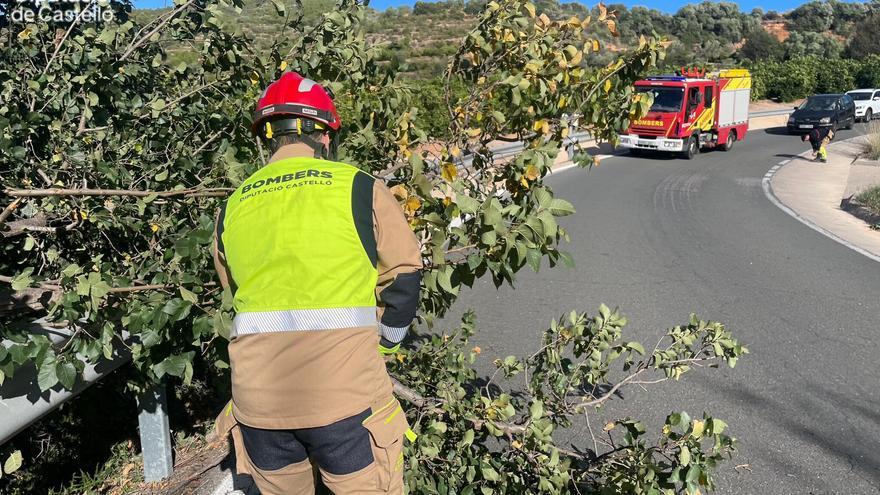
<point x="662" y="238"/>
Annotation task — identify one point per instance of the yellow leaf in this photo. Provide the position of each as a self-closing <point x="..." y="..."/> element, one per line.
<point x="612" y="27"/>
<point x="154" y="227"/>
<point x="543" y="20"/>
<point x="25" y="33"/>
<point x="477" y="350"/>
<point x="524" y="182"/>
<point x="540" y="125"/>
<point x="561" y="103"/>
<point x="699" y="427"/>
<point x="516" y="444"/>
<point x="577" y="58"/>
<point x="400" y="192"/>
<point x="603" y="12"/>
<point x="611" y="424"/>
<point x="595" y="45"/>
<point x="455" y="151"/>
<point x="474" y="132"/>
<point x="412" y="205"/>
<point x="283" y="65"/>
<point x="447" y="201"/>
<point x="531" y="9"/>
<point x="84" y="214"/>
<point x="448" y="171"/>
<point x="508" y="35"/>
<point x="607" y="85"/>
<point x="400" y="357"/>
<point x="531" y="172"/>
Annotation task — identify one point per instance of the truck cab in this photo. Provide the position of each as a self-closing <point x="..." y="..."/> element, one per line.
<point x="690" y="112"/>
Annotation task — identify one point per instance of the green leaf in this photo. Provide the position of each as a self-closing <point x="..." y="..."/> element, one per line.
<point x="47" y="376"/>
<point x="533" y="258"/>
<point x="23" y="280"/>
<point x="684" y="457"/>
<point x="13" y="462"/>
<point x="560" y="207"/>
<point x="467" y="438"/>
<point x="637" y="347"/>
<point x="466" y="203"/>
<point x="536" y="409"/>
<point x="187" y="295"/>
<point x="66" y="373"/>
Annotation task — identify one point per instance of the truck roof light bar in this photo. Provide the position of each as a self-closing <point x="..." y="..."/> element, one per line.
<point x="667" y="78"/>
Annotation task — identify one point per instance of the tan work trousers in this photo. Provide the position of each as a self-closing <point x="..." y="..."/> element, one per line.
<point x="387" y="427"/>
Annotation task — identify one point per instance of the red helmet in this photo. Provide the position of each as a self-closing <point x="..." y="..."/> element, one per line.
<point x="296" y="96"/>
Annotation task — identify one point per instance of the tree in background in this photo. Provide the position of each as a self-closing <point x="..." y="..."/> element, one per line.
<point x="815" y="16"/>
<point x="867" y="37"/>
<point x="761" y="45"/>
<point x="812" y="44"/>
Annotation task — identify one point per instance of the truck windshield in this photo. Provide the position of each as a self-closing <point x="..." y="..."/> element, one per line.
<point x="860" y="96"/>
<point x="819" y="103"/>
<point x="665" y="99"/>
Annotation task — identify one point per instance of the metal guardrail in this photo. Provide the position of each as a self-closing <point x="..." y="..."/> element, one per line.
<point x="770" y="113"/>
<point x="22" y="403"/>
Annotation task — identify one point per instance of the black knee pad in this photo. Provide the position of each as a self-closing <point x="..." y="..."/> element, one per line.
<point x="272" y="449"/>
<point x="343" y="447"/>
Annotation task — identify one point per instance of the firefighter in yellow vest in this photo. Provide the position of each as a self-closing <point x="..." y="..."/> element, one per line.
<point x="324" y="270"/>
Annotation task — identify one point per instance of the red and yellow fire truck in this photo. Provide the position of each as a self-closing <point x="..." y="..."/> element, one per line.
<point x="692" y="111"/>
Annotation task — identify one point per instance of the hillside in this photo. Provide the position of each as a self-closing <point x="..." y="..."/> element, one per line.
<point x="419" y="39"/>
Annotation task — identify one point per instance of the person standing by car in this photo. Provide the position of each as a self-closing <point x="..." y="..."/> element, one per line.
<point x="819" y="138"/>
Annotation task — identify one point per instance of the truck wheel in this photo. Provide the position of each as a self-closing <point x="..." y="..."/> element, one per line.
<point x="868" y="115"/>
<point x="693" y="148"/>
<point x="731" y="138"/>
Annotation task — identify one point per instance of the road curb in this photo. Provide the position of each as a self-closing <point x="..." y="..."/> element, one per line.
<point x="767" y="186"/>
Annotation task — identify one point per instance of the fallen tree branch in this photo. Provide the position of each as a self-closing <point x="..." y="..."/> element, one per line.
<point x="9" y="209"/>
<point x="189" y="193"/>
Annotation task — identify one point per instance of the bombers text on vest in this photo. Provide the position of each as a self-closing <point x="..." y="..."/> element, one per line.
<point x="299" y="243"/>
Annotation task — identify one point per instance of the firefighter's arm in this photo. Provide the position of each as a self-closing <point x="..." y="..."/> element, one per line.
<point x="399" y="264"/>
<point x="219" y="257"/>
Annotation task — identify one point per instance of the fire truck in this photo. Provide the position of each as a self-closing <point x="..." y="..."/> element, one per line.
<point x="692" y="111"/>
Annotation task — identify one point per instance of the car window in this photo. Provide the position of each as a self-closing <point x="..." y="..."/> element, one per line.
<point x="861" y="95"/>
<point x="819" y="103"/>
<point x="877" y="94"/>
<point x="710" y="94"/>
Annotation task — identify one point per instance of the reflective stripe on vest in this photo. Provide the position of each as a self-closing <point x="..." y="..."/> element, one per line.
<point x="299" y="242"/>
<point x="301" y="320"/>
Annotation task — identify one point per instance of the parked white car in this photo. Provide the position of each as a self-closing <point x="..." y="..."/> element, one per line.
<point x="867" y="103"/>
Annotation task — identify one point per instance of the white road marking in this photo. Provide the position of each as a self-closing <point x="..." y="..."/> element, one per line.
<point x="783" y="162"/>
<point x="768" y="191"/>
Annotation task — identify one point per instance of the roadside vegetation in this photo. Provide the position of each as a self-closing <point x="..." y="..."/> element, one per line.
<point x="871" y="198"/>
<point x="872" y="141"/>
<point x="116" y="155"/>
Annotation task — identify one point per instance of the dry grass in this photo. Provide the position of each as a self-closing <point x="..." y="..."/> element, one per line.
<point x="871" y="150"/>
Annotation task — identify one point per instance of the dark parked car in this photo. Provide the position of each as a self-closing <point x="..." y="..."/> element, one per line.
<point x="834" y="111"/>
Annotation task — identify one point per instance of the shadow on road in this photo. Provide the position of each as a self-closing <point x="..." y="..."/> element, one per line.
<point x="779" y="131"/>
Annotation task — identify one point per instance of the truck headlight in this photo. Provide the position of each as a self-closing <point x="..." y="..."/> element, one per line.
<point x="825" y="120"/>
<point x="670" y="144"/>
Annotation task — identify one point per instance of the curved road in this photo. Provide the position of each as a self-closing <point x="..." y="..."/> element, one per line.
<point x="662" y="238"/>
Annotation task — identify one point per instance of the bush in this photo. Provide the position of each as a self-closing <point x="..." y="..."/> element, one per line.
<point x="872" y="152"/>
<point x="866" y="39"/>
<point x="761" y="45"/>
<point x="798" y="78"/>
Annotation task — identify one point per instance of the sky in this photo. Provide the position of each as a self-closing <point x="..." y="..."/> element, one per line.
<point x="669" y="6"/>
